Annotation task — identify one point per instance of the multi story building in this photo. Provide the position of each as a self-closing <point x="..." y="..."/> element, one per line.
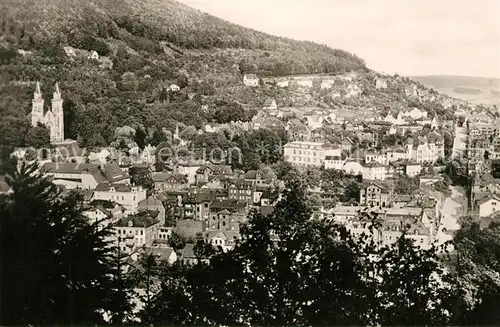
<point x="135" y="231"/>
<point x="241" y="190"/>
<point x="376" y="194"/>
<point x="374" y="171"/>
<point x="197" y="205"/>
<point x="226" y="215"/>
<point x="334" y="162"/>
<point x="309" y="153"/>
<point x="126" y="195"/>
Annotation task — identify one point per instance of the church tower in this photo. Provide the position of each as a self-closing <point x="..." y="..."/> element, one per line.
<point x="37" y="106"/>
<point x="57" y="135"/>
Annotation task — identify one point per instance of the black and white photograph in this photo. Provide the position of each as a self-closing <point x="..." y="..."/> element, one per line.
<point x="249" y="163"/>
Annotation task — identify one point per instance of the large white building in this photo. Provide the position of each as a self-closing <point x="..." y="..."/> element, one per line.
<point x="53" y="119"/>
<point x="309" y="153"/>
<point x="126" y="195"/>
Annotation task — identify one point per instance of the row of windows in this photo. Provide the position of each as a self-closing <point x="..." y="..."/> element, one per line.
<point x="307" y="159"/>
<point x="241" y="191"/>
<point x="122" y="231"/>
<point x="118" y="198"/>
<point x="305" y="152"/>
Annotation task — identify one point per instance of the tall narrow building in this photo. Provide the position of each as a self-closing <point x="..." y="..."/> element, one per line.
<point x="53" y="119"/>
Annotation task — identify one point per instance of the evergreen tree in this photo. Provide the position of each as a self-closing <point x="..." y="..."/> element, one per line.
<point x="56" y="267"/>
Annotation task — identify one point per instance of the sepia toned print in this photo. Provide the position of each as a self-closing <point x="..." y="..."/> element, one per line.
<point x="249" y="163"/>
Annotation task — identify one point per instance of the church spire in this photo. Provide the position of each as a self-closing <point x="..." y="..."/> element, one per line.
<point x="57" y="93"/>
<point x="38" y="92"/>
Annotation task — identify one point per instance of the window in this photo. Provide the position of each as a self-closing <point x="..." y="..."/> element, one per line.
<point x="142" y="232"/>
<point x="493" y="203"/>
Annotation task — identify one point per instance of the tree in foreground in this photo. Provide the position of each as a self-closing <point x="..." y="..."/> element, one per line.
<point x="289" y="269"/>
<point x="56" y="267"/>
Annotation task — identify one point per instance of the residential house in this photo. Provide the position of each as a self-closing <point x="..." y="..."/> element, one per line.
<point x="204" y="172"/>
<point x="270" y="104"/>
<point x="241" y="190"/>
<point x="262" y="177"/>
<point x="376" y="194"/>
<point x="396" y="154"/>
<point x="374" y="171"/>
<point x="152" y="203"/>
<point x="227" y="215"/>
<point x="421" y="150"/>
<point x="380" y="83"/>
<point x="299" y="132"/>
<point x="353" y="167"/>
<point x="70" y="51"/>
<point x="189" y="257"/>
<point x="489" y="205"/>
<point x="189" y="169"/>
<point x="196" y="206"/>
<point x="401" y="201"/>
<point x="250" y="80"/>
<point x="136" y="231"/>
<point x="373" y="156"/>
<point x="429" y="179"/>
<point x="161" y="254"/>
<point x="334" y="162"/>
<point x="169" y="181"/>
<point x="93" y="55"/>
<point x="405" y="167"/>
<point x="415" y="113"/>
<point x="225" y="240"/>
<point x="309" y="153"/>
<point x="126" y="195"/>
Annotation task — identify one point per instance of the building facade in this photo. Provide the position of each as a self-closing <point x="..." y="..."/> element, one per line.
<point x="53" y="119"/>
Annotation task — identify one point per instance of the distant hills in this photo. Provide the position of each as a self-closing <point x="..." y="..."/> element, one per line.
<point x="474" y="89"/>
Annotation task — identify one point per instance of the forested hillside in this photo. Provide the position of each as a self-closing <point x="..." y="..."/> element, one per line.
<point x="144" y="24"/>
<point x="143" y="47"/>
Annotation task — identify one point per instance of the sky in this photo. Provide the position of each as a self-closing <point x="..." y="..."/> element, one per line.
<point x="406" y="37"/>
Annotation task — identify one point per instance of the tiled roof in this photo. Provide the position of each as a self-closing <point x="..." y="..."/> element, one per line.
<point x="227" y="204"/>
<point x="106" y="186"/>
<point x="162" y="253"/>
<point x="141" y="220"/>
<point x="216" y="169"/>
<point x="188" y="251"/>
<point x="241" y="184"/>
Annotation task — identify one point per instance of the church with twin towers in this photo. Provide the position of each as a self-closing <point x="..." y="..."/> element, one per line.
<point x="53" y="119"/>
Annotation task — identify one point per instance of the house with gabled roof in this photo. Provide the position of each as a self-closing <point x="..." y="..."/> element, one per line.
<point x="270" y="104"/>
<point x="264" y="176"/>
<point x="251" y="80"/>
<point x="204" y="172"/>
